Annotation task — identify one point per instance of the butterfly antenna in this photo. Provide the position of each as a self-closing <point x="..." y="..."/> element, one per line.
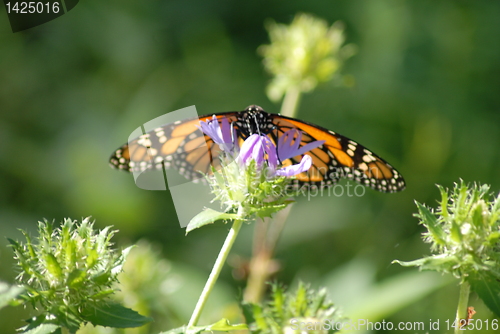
<point x="256" y="124"/>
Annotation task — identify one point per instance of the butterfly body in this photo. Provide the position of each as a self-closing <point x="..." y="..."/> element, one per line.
<point x="181" y="145"/>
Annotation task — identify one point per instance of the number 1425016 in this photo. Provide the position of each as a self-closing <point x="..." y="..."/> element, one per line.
<point x="33" y="7"/>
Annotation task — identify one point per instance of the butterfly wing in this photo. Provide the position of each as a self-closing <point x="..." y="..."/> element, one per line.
<point x="339" y="157"/>
<point x="183" y="146"/>
<point x="180" y="145"/>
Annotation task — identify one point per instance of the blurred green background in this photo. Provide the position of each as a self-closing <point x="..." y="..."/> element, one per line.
<point x="425" y="98"/>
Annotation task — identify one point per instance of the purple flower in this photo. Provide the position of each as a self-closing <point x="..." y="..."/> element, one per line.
<point x="288" y="149"/>
<point x="223" y="134"/>
<point x="261" y="149"/>
<point x="292" y="170"/>
<point x="255" y="148"/>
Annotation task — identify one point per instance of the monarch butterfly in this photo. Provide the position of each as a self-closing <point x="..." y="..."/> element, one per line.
<point x="181" y="145"/>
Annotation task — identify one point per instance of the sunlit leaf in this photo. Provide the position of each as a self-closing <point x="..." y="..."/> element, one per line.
<point x="114" y="315"/>
<point x="43" y="329"/>
<point x="208" y="216"/>
<point x="223" y="325"/>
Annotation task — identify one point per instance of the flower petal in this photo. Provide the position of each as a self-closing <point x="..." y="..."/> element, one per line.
<point x="308" y="147"/>
<point x="272" y="156"/>
<point x="288" y="146"/>
<point x="221" y="134"/>
<point x="258" y="151"/>
<point x="247" y="149"/>
<point x="285" y="145"/>
<point x="226" y="134"/>
<point x="292" y="170"/>
<point x="211" y="128"/>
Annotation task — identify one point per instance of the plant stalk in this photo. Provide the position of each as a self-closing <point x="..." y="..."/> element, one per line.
<point x="214" y="274"/>
<point x="261" y="265"/>
<point x="463" y="301"/>
<point x="267" y="233"/>
<point x="290" y="101"/>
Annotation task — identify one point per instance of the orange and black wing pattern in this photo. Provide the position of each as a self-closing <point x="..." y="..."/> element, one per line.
<point x="339" y="157"/>
<point x="183" y="146"/>
<point x="180" y="145"/>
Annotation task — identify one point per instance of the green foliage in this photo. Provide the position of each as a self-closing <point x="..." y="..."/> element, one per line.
<point x="223" y="325"/>
<point x="113" y="315"/>
<point x="487" y="287"/>
<point x="286" y="310"/>
<point x="69" y="273"/>
<point x="303" y="54"/>
<point x="208" y="216"/>
<point x="44" y="329"/>
<point x="249" y="191"/>
<point x="464" y="233"/>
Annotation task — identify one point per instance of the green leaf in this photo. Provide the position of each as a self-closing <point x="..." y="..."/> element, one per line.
<point x="493" y="238"/>
<point x="29" y="245"/>
<point x="456" y="233"/>
<point x="40" y="324"/>
<point x="414" y="263"/>
<point x="114" y="315"/>
<point x="102" y="294"/>
<point x="431" y="223"/>
<point x="92" y="258"/>
<point x="301" y="301"/>
<point x="101" y="278"/>
<point x="53" y="266"/>
<point x="487" y="288"/>
<point x="22" y="257"/>
<point x="254" y="313"/>
<point x="477" y="214"/>
<point x="68" y="317"/>
<point x="43" y="329"/>
<point x="178" y="330"/>
<point x="444" y="202"/>
<point x="75" y="278"/>
<point x="440" y="263"/>
<point x="8" y="293"/>
<point x="267" y="210"/>
<point x="208" y="216"/>
<point x="278" y="300"/>
<point x="249" y="309"/>
<point x="118" y="268"/>
<point x="223" y="325"/>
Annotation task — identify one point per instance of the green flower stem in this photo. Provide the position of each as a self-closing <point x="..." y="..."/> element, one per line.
<point x="291" y="101"/>
<point x="463" y="301"/>
<point x="219" y="263"/>
<point x="264" y="239"/>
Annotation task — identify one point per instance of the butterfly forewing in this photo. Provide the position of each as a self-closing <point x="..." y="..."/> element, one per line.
<point x="179" y="145"/>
